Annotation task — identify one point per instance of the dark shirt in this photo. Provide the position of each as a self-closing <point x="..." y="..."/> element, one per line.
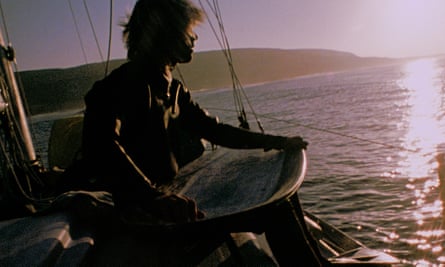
<point x="137" y="118"/>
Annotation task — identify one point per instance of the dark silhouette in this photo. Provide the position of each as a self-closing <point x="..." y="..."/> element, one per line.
<point x="138" y="119"/>
<point x="141" y="125"/>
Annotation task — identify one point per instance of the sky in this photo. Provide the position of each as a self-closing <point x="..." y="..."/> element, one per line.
<point x="43" y="32"/>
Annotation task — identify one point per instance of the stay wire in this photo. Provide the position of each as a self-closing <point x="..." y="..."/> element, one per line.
<point x="4" y="23"/>
<point x="93" y="30"/>
<point x="15" y="156"/>
<point x="76" y="25"/>
<point x="329" y="131"/>
<point x="341" y="134"/>
<point x="110" y="30"/>
<point x="224" y="44"/>
<point x="236" y="84"/>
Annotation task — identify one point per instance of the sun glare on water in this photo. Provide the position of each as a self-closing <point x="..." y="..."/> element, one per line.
<point x="424" y="128"/>
<point x="423" y="140"/>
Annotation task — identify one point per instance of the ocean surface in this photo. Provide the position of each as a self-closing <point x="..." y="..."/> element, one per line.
<point x="374" y="137"/>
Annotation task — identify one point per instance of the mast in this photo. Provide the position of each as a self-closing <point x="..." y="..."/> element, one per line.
<point x="7" y="57"/>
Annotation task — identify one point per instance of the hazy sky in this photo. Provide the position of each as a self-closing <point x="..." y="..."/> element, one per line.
<point x="44" y="35"/>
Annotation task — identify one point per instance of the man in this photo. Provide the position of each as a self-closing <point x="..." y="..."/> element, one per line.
<point x="137" y="118"/>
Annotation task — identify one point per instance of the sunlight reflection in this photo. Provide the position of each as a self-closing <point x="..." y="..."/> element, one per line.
<point x="422" y="81"/>
<point x="431" y="233"/>
<point x="425" y="133"/>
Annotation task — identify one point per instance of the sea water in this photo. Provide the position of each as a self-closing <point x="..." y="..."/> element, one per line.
<point x="374" y="135"/>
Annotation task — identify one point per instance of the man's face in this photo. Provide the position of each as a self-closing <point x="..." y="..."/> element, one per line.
<point x="182" y="48"/>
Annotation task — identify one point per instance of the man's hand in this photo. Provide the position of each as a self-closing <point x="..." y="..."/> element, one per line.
<point x="177" y="208"/>
<point x="295" y="142"/>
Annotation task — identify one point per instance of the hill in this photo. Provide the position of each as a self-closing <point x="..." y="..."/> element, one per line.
<point x="52" y="90"/>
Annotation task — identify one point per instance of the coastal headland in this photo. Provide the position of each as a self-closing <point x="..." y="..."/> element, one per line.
<point x="52" y="90"/>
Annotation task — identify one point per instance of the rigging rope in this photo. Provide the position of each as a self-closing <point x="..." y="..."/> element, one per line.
<point x="110" y="30"/>
<point x="328" y="131"/>
<point x="82" y="47"/>
<point x="13" y="156"/>
<point x="4" y="23"/>
<point x="107" y="61"/>
<point x="93" y="30"/>
<point x="238" y="91"/>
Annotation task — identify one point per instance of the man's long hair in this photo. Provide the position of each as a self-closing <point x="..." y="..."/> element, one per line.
<point x="154" y="23"/>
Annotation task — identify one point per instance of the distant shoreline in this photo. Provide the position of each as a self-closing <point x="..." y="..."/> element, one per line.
<point x="298" y="77"/>
<point x="50" y="90"/>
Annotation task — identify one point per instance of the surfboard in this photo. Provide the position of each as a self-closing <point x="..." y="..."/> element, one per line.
<point x="228" y="182"/>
